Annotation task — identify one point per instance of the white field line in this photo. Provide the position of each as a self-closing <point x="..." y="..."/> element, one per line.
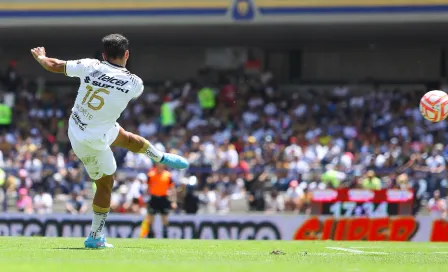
<point x="443" y="252"/>
<point x="347" y="250"/>
<point x="366" y="247"/>
<point x="355" y="250"/>
<point x="325" y="254"/>
<point x="400" y="246"/>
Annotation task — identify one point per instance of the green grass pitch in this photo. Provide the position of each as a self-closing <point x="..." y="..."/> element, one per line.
<point x="34" y="254"/>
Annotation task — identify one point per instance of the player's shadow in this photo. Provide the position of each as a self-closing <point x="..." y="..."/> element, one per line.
<point x="71" y="248"/>
<point x="137" y="247"/>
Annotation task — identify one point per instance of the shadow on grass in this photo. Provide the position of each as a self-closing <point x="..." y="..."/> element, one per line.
<point x="72" y="248"/>
<point x="137" y="247"/>
<point x="83" y="248"/>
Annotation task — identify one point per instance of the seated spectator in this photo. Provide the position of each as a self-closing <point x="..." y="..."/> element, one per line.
<point x="137" y="161"/>
<point x="307" y="198"/>
<point x="229" y="156"/>
<point x="191" y="201"/>
<point x="293" y="150"/>
<point x="76" y="204"/>
<point x="208" y="200"/>
<point x="11" y="184"/>
<point x="254" y="185"/>
<point x="371" y="182"/>
<point x="136" y="207"/>
<point x="120" y="202"/>
<point x="75" y="181"/>
<point x="437" y="206"/>
<point x="223" y="203"/>
<point x="293" y="197"/>
<point x="24" y="203"/>
<point x="332" y="177"/>
<point x="43" y="202"/>
<point x="402" y="182"/>
<point x="138" y="186"/>
<point x="24" y="180"/>
<point x="275" y="202"/>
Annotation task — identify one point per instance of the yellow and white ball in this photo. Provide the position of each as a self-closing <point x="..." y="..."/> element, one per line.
<point x="434" y="106"/>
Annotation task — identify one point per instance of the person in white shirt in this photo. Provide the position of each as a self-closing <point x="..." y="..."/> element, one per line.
<point x="255" y="102"/>
<point x="293" y="150"/>
<point x="43" y="202"/>
<point x="223" y="203"/>
<point x="250" y="117"/>
<point x="293" y="196"/>
<point x="230" y="155"/>
<point x="436" y="162"/>
<point x="196" y="122"/>
<point x="147" y="129"/>
<point x="106" y="88"/>
<point x="270" y="109"/>
<point x="300" y="110"/>
<point x="208" y="200"/>
<point x="298" y="166"/>
<point x="137" y="161"/>
<point x="437" y="206"/>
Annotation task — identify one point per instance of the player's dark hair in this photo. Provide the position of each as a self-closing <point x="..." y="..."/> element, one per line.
<point x="115" y="45"/>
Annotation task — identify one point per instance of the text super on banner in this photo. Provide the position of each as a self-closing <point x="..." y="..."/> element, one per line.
<point x="360" y="202"/>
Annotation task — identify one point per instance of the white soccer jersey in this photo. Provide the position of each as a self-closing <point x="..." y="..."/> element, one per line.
<point x="104" y="93"/>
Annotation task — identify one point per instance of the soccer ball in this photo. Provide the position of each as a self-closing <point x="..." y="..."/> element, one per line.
<point x="434" y="106"/>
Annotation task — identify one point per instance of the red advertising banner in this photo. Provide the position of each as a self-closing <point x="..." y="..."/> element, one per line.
<point x="370" y="229"/>
<point x="358" y="229"/>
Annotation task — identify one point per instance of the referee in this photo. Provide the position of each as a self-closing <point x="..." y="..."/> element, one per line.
<point x="160" y="188"/>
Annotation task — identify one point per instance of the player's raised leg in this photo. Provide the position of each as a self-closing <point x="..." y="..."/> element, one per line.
<point x="138" y="144"/>
<point x="101" y="207"/>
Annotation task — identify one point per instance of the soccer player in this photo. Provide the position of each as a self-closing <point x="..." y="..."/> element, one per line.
<point x="106" y="87"/>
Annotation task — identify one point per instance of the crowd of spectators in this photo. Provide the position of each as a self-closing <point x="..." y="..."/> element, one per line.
<point x="256" y="144"/>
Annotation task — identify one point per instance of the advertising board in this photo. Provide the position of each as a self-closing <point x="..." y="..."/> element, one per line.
<point x="237" y="227"/>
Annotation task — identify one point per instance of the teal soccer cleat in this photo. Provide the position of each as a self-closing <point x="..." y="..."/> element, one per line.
<point x="174" y="161"/>
<point x="97" y="243"/>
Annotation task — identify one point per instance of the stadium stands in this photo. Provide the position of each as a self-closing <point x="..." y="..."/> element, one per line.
<point x="259" y="147"/>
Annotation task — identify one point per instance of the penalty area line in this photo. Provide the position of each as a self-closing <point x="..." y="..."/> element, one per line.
<point x="356" y="251"/>
<point x="366" y="247"/>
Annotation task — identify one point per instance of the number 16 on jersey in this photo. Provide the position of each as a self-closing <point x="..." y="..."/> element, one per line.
<point x="93" y="98"/>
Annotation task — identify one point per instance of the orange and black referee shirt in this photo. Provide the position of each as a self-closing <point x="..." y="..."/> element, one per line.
<point x="159" y="183"/>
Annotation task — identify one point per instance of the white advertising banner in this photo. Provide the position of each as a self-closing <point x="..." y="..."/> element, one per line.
<point x="236" y="227"/>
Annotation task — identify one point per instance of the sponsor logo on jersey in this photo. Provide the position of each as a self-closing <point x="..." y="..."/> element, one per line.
<point x="112" y="80"/>
<point x="82" y="126"/>
<point x="122" y="90"/>
<point x="95" y="73"/>
<point x="102" y="85"/>
<point x="85" y="112"/>
<point x="107" y="86"/>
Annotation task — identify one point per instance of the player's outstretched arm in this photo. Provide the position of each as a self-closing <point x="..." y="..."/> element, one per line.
<point x="50" y="64"/>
